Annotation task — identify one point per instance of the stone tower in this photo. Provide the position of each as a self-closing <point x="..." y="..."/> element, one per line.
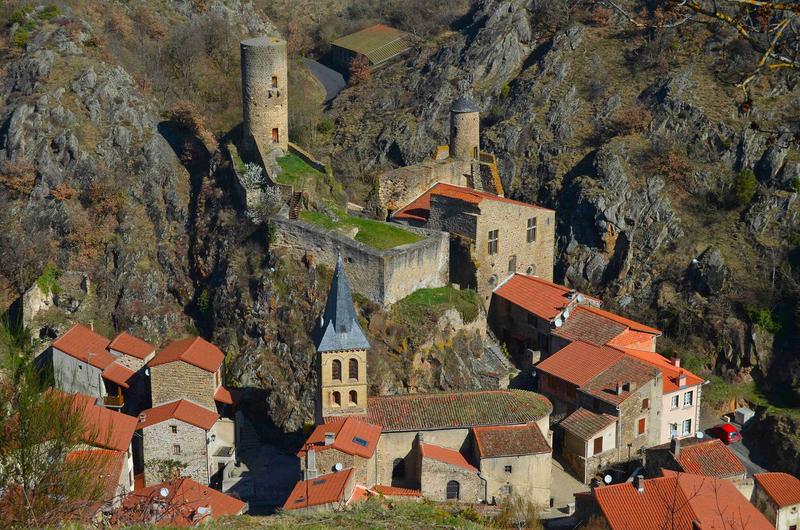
<point x="341" y="354"/>
<point x="465" y="129"/>
<point x="265" y="94"/>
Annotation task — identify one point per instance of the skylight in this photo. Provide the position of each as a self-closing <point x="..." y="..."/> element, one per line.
<point x="360" y="441"/>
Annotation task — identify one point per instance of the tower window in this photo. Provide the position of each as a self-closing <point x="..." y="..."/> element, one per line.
<point x="336" y="399"/>
<point x="274" y="81"/>
<point x="336" y="370"/>
<point x="352" y="369"/>
<point x="353" y="397"/>
<point x="275" y="136"/>
<point x="531" y="230"/>
<point x="493" y="237"/>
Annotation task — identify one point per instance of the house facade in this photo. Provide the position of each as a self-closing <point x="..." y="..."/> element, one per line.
<point x="777" y="496"/>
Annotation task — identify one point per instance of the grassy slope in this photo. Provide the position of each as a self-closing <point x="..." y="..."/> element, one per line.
<point x="382" y="236"/>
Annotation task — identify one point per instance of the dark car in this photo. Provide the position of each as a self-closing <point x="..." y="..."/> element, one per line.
<point x="726" y="432"/>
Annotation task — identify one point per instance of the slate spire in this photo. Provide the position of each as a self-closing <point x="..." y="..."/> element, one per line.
<point x="340" y="329"/>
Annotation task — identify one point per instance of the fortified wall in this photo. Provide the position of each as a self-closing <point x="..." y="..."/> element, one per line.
<point x="383" y="276"/>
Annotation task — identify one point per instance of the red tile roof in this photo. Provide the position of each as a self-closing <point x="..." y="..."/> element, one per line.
<point x="626" y="370"/>
<point x="419" y="208"/>
<point x="184" y="500"/>
<point x="669" y="371"/>
<point x="118" y="374"/>
<point x="538" y="296"/>
<point x="393" y="491"/>
<point x="130" y="345"/>
<point x="585" y="424"/>
<point x="103" y="427"/>
<point x="105" y="464"/>
<point x="588" y="326"/>
<point x="224" y="395"/>
<point x="579" y="362"/>
<point x="353" y="437"/>
<point x="634" y="339"/>
<point x="193" y="350"/>
<point x="510" y="440"/>
<point x="447" y="456"/>
<point x="632" y="324"/>
<point x="676" y="500"/>
<point x="447" y="410"/>
<point x="782" y="488"/>
<point x="182" y="410"/>
<point x="710" y="458"/>
<point x="85" y="345"/>
<point x="325" y="489"/>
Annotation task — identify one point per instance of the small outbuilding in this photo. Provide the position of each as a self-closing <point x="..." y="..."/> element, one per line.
<point x="742" y="415"/>
<point x="377" y="44"/>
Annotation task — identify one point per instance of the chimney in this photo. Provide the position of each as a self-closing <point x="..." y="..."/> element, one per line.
<point x="620" y="388"/>
<point x="91" y="325"/>
<point x="638" y="483"/>
<point x="681" y="380"/>
<point x="675" y="447"/>
<point x="330" y="437"/>
<point x="420" y="438"/>
<point x="676" y="362"/>
<point x="142" y="417"/>
<point x="311" y="465"/>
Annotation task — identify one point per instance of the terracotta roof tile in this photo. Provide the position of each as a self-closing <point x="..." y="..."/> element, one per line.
<point x="632" y="324"/>
<point x="510" y="440"/>
<point x="626" y="370"/>
<point x="393" y="491"/>
<point x="85" y="345"/>
<point x="182" y="410"/>
<point x="443" y="410"/>
<point x="447" y="456"/>
<point x="325" y="489"/>
<point x="116" y="373"/>
<point x="782" y="488"/>
<point x="130" y="345"/>
<point x="631" y="338"/>
<point x="225" y="395"/>
<point x="710" y="458"/>
<point x="538" y="296"/>
<point x="184" y="500"/>
<point x="585" y="424"/>
<point x="193" y="350"/>
<point x="579" y="362"/>
<point x="676" y="500"/>
<point x="353" y="437"/>
<point x="668" y="370"/>
<point x="588" y="326"/>
<point x="102" y="427"/>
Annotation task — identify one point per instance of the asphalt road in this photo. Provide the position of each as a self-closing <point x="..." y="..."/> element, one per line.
<point x="743" y="453"/>
<point x="332" y="80"/>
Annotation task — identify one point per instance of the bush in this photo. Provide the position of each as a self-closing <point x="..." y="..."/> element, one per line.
<point x="632" y="119"/>
<point x="49" y="12"/>
<point x="764" y="318"/>
<point x="48" y="280"/>
<point x="744" y="187"/>
<point x="359" y="71"/>
<point x="325" y="126"/>
<point x="20" y="38"/>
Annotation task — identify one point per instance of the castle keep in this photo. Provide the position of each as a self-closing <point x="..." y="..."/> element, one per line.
<point x="265" y="94"/>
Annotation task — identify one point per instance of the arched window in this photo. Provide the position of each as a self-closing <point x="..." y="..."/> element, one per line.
<point x="353" y="397"/>
<point x="352" y="369"/>
<point x="453" y="490"/>
<point x="336" y="397"/>
<point x="336" y="370"/>
<point x="398" y="470"/>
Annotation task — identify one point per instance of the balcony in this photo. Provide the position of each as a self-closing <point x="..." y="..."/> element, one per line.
<point x="114" y="402"/>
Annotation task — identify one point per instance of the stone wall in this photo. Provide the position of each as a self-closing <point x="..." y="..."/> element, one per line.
<point x="159" y="443"/>
<point x="434" y="476"/>
<point x="383" y="276"/>
<point x="265" y="106"/>
<point x="465" y="134"/>
<point x="181" y="380"/>
<point x="364" y="467"/>
<point x="309" y="159"/>
<point x="328" y="385"/>
<point x="529" y="477"/>
<point x="72" y="375"/>
<point x="394" y="445"/>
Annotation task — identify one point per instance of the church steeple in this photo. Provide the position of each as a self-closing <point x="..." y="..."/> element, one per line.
<point x="341" y="353"/>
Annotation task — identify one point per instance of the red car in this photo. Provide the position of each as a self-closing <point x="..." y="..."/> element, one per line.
<point x="726" y="432"/>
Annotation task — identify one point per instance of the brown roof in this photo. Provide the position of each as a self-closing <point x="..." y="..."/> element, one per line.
<point x="352" y="436"/>
<point x="118" y="374"/>
<point x="377" y="43"/>
<point x="85" y="345"/>
<point x="130" y="345"/>
<point x="102" y="427"/>
<point x="224" y="395"/>
<point x="625" y="370"/>
<point x="585" y="424"/>
<point x="782" y="488"/>
<point x="182" y="410"/>
<point x="184" y="500"/>
<point x="325" y="489"/>
<point x="710" y="458"/>
<point x="579" y="362"/>
<point x="588" y="326"/>
<point x="193" y="350"/>
<point x="538" y="296"/>
<point x="447" y="456"/>
<point x="448" y="410"/>
<point x="510" y="440"/>
<point x="394" y="491"/>
<point x="675" y="501"/>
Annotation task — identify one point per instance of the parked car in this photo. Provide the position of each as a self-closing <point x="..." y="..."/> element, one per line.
<point x="727" y="432"/>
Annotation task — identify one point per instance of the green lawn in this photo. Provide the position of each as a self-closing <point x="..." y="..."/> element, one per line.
<point x="295" y="171"/>
<point x="426" y="305"/>
<point x="376" y="234"/>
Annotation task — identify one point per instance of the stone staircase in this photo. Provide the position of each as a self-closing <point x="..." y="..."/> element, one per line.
<point x="248" y="438"/>
<point x="295" y="203"/>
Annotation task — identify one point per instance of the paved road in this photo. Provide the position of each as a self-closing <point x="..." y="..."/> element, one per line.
<point x="743" y="453"/>
<point x="332" y="80"/>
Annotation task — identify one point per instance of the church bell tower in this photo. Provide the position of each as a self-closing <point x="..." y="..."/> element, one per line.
<point x="341" y="354"/>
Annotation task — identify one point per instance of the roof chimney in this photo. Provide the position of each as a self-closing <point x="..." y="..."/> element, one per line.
<point x="620" y="388"/>
<point x="330" y="437"/>
<point x="91" y="325"/>
<point x="676" y="362"/>
<point x="638" y="483"/>
<point x="675" y="447"/>
<point x="681" y="380"/>
<point x="142" y="417"/>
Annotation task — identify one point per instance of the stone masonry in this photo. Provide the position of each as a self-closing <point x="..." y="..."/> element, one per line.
<point x="181" y="380"/>
<point x="434" y="476"/>
<point x="265" y="94"/>
<point x="159" y="443"/>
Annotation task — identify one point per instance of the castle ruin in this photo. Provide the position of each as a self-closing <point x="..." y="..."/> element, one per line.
<point x="265" y="94"/>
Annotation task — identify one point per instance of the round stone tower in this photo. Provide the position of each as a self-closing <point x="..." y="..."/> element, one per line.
<point x="265" y="94"/>
<point x="465" y="129"/>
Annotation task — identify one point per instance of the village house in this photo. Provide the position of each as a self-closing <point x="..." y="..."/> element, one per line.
<point x="777" y="495"/>
<point x="708" y="457"/>
<point x="86" y="362"/>
<point x="678" y="501"/>
<point x="326" y="492"/>
<point x="448" y="446"/>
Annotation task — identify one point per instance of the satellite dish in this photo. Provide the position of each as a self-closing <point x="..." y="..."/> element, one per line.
<point x="566" y="314"/>
<point x="147" y="372"/>
<point x="607" y="479"/>
<point x="580" y="298"/>
<point x="558" y="323"/>
<point x="164" y="492"/>
<point x="338" y="466"/>
<point x="321" y="321"/>
<point x="699" y="434"/>
<point x="203" y="510"/>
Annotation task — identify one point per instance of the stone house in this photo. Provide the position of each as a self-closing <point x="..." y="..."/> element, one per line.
<point x="777" y="496"/>
<point x="492" y="237"/>
<point x="702" y="456"/>
<point x="109" y="467"/>
<point x="184" y="432"/>
<point x="84" y="361"/>
<point x="342" y="444"/>
<point x="446" y="475"/>
<point x="326" y="492"/>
